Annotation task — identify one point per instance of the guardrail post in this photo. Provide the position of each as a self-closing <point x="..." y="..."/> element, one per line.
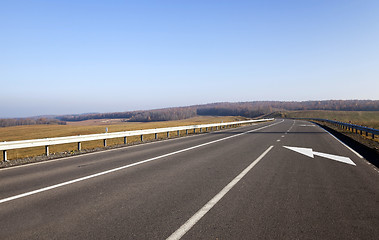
<point x="125" y="140"/>
<point x="79" y="146"/>
<point x="156" y="136"/>
<point x="168" y="134"/>
<point x="141" y="138"/>
<point x="105" y="142"/>
<point x="5" y="155"/>
<point x="47" y="150"/>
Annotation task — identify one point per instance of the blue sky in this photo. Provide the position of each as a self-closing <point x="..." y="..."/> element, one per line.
<point x="62" y="57"/>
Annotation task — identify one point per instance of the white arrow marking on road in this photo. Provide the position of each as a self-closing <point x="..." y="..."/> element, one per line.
<point x="310" y="153"/>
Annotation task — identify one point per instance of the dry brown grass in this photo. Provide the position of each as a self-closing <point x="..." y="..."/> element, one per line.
<point x="92" y="127"/>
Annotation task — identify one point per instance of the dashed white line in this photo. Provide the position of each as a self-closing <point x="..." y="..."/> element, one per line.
<point x="209" y="205"/>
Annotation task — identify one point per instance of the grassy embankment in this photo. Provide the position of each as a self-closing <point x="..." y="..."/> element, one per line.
<point x="91" y="127"/>
<point x="363" y="118"/>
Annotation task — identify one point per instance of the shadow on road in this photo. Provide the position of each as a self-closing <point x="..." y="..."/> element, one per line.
<point x="368" y="153"/>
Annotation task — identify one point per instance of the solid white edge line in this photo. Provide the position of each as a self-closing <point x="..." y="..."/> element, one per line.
<point x="116" y="149"/>
<point x="209" y="205"/>
<point x="352" y="150"/>
<point x="123" y="167"/>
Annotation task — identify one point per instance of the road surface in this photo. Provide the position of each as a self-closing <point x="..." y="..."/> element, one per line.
<point x="278" y="180"/>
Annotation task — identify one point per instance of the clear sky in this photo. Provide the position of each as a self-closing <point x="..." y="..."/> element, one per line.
<point x="62" y="57"/>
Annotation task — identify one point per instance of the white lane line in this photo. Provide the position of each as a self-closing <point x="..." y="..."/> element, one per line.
<point x="291" y="127"/>
<point x="126" y="166"/>
<point x="278" y="140"/>
<point x="209" y="205"/>
<point x="115" y="149"/>
<point x="352" y="150"/>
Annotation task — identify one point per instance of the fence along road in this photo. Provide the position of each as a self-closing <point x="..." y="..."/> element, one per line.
<point x="351" y="127"/>
<point x="4" y="146"/>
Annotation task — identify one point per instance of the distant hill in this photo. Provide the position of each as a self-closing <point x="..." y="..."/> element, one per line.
<point x="245" y="109"/>
<point x="253" y="109"/>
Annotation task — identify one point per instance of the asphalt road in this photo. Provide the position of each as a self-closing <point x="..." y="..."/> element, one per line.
<point x="238" y="183"/>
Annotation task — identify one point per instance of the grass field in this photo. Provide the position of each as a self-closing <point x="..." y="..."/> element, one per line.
<point x="91" y="127"/>
<point x="363" y="118"/>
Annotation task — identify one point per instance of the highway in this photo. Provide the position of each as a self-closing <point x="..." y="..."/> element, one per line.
<point x="285" y="179"/>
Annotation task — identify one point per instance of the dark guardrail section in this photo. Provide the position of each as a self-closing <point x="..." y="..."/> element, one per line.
<point x="369" y="152"/>
<point x="351" y="127"/>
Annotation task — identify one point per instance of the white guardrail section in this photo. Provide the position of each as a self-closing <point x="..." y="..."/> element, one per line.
<point x="4" y="146"/>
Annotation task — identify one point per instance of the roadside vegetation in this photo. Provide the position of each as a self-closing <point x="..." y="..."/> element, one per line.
<point x="92" y="127"/>
<point x="363" y="118"/>
<point x="246" y="109"/>
<point x="360" y="112"/>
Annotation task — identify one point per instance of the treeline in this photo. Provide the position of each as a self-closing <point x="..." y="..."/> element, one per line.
<point x="245" y="109"/>
<point x="28" y="121"/>
<point x="333" y="105"/>
<point x="88" y="116"/>
<point x="165" y="114"/>
<point x="259" y="108"/>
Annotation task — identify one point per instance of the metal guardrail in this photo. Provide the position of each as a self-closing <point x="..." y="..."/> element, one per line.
<point x="351" y="127"/>
<point x="4" y="146"/>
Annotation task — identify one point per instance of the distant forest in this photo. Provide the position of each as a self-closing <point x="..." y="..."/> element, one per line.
<point x="29" y="121"/>
<point x="245" y="109"/>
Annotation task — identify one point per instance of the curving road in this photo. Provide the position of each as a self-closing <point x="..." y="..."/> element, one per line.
<point x="278" y="180"/>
